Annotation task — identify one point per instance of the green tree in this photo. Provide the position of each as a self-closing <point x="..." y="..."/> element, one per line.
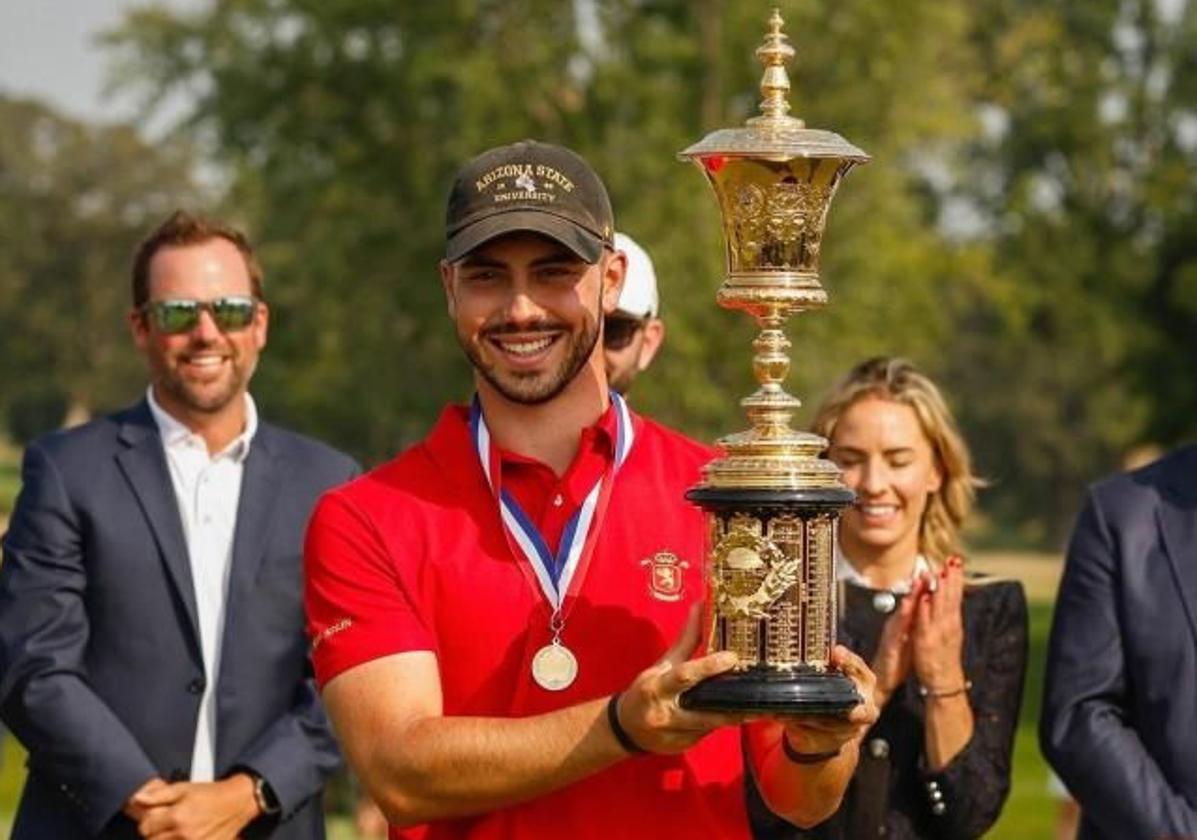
<point x="1083" y="191"/>
<point x="74" y="200"/>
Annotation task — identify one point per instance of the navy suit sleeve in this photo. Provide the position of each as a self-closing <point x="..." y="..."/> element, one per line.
<point x="72" y="736"/>
<point x="298" y="753"/>
<point x="1085" y="730"/>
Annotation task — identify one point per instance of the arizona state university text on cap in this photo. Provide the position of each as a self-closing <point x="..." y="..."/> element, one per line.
<point x="528" y="186"/>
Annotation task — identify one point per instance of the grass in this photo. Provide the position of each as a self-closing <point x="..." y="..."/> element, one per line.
<point x="10" y="483"/>
<point x="1030" y="810"/>
<point x="12" y="776"/>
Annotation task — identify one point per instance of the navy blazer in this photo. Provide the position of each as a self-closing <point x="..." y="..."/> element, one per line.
<point x="1120" y="702"/>
<point x="100" y="665"/>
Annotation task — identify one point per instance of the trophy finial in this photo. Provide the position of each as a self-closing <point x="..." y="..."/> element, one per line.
<point x="775" y="83"/>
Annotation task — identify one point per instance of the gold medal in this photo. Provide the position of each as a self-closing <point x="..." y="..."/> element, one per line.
<point x="554" y="667"/>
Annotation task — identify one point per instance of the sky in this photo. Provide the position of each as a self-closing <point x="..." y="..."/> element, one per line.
<point x="48" y="51"/>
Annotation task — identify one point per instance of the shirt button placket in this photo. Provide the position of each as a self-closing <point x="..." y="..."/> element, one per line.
<point x="205" y="496"/>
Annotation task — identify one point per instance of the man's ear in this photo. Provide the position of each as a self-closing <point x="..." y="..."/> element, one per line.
<point x="613" y="276"/>
<point x="139" y="328"/>
<point x="654" y="335"/>
<point x="262" y="323"/>
<point x="447" y="284"/>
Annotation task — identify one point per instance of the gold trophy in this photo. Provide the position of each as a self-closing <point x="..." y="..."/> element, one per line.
<point x="772" y="502"/>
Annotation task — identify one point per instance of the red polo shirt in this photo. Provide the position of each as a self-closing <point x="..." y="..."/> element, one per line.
<point x="413" y="556"/>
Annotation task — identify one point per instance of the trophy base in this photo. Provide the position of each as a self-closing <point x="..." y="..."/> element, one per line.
<point x="770" y="692"/>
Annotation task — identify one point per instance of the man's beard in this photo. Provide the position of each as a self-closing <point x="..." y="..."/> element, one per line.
<point x="621" y="381"/>
<point x="535" y="388"/>
<point x="202" y="399"/>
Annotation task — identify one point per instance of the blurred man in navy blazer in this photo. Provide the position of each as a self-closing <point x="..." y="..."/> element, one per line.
<point x="1119" y="720"/>
<point x="152" y="656"/>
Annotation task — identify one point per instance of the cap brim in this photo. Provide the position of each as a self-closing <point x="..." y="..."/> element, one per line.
<point x="582" y="242"/>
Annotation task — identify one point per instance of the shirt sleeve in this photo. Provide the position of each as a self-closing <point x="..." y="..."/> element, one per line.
<point x="359" y="606"/>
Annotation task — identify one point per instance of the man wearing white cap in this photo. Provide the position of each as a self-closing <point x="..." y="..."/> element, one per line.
<point x="633" y="333"/>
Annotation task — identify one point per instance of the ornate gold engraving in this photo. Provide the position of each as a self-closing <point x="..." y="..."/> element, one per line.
<point x="759" y="576"/>
<point x="752" y="571"/>
<point x="782" y="647"/>
<point x="819" y="628"/>
<point x="777" y="226"/>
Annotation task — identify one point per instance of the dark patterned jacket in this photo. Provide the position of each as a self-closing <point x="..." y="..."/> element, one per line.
<point x="893" y="794"/>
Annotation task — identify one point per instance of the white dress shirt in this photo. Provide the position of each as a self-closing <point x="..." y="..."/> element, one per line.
<point x="207" y="490"/>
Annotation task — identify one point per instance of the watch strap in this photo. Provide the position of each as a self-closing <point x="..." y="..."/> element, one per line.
<point x="264" y="795"/>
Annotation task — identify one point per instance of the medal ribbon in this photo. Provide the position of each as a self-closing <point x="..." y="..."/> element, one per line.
<point x="554" y="574"/>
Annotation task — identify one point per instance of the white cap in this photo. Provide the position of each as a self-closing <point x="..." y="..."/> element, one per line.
<point x="639" y="295"/>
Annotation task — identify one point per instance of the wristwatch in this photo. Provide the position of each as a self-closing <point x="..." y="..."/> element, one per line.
<point x="264" y="796"/>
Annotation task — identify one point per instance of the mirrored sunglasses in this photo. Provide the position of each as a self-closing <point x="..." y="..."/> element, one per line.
<point x="618" y="332"/>
<point x="231" y="313"/>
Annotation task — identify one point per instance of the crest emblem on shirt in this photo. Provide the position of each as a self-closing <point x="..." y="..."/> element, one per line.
<point x="666" y="578"/>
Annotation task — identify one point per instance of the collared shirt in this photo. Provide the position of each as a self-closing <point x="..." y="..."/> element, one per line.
<point x="847" y="573"/>
<point x="413" y="557"/>
<point x="550" y="501"/>
<point x="207" y="490"/>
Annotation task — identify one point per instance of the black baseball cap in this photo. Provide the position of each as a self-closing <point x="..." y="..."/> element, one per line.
<point x="529" y="186"/>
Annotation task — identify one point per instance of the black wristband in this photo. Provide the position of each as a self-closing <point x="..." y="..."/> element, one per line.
<point x="621" y="734"/>
<point x="806" y="758"/>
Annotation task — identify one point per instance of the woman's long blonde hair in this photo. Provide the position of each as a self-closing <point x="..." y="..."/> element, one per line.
<point x="898" y="380"/>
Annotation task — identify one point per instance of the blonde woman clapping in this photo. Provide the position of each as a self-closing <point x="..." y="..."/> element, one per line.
<point x="948" y="648"/>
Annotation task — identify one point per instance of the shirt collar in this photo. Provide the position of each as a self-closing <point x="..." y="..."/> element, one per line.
<point x="845" y="571"/>
<point x="599" y="438"/>
<point x="450" y="446"/>
<point x="174" y="432"/>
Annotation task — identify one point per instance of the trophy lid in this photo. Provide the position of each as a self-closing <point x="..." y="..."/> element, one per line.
<point x="774" y="134"/>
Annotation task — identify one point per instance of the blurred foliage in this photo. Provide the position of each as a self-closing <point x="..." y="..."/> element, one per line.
<point x="74" y="200"/>
<point x="1082" y="188"/>
<point x="1024" y="232"/>
<point x="344" y="122"/>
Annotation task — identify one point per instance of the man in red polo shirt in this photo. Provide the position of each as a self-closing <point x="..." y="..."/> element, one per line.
<point x="503" y="617"/>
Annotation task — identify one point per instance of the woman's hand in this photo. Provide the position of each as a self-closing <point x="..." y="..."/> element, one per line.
<point x="937" y="635"/>
<point x="891" y="662"/>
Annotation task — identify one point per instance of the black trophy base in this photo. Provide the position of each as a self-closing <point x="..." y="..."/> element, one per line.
<point x="765" y="691"/>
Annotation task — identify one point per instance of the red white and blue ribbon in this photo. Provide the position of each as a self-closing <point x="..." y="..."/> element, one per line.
<point x="554" y="574"/>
